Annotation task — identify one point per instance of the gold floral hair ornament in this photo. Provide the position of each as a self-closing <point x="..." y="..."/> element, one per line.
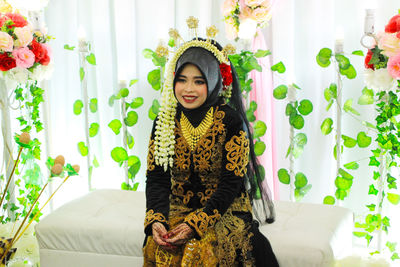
<point x="162" y="50"/>
<point x="164" y="139"/>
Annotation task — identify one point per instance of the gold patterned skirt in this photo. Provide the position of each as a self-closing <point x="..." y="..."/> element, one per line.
<point x="226" y="244"/>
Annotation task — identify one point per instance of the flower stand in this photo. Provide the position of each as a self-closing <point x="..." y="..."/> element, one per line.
<point x="105" y="228"/>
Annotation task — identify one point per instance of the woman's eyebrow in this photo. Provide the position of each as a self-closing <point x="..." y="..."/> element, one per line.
<point x="195" y="77"/>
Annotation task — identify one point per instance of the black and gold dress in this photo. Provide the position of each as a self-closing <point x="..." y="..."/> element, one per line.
<point x="205" y="188"/>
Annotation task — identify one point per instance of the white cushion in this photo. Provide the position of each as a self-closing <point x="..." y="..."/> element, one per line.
<point x="110" y="223"/>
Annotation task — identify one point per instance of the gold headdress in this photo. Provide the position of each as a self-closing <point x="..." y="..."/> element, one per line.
<point x="165" y="125"/>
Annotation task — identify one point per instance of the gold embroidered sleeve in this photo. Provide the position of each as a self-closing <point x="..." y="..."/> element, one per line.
<point x="150" y="156"/>
<point x="238" y="154"/>
<point x="201" y="221"/>
<point x="153" y="217"/>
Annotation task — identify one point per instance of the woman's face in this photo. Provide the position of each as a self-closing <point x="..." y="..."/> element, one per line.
<point x="191" y="87"/>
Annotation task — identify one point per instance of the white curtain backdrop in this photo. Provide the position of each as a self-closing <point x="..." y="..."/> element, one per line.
<point x="119" y="31"/>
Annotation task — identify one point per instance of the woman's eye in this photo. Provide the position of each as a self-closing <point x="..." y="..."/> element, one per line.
<point x="180" y="80"/>
<point x="200" y="82"/>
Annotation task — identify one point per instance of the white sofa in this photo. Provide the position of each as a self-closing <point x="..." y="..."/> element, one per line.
<point x="105" y="229"/>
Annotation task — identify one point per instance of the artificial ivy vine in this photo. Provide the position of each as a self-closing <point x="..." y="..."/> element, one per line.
<point x="129" y="118"/>
<point x="93" y="127"/>
<point x="344" y="179"/>
<point x="295" y="111"/>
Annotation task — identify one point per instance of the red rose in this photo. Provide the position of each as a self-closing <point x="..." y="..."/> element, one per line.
<point x="38" y="50"/>
<point x="6" y="62"/>
<point x="226" y="74"/>
<point x="393" y="25"/>
<point x="17" y="19"/>
<point x="368" y="59"/>
<point x="45" y="60"/>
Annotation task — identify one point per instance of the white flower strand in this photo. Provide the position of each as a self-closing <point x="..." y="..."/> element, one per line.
<point x="164" y="141"/>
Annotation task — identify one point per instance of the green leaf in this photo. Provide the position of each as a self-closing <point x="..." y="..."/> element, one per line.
<point x="324" y="57"/>
<point x="91" y="59"/>
<point x="135" y="186"/>
<point x="95" y="162"/>
<point x="115" y="126"/>
<point x="297" y="121"/>
<point x="67" y="47"/>
<point x="300" y="139"/>
<point x="300" y="180"/>
<point x="81" y="74"/>
<point x="131" y="119"/>
<point x="348" y="141"/>
<point x="345" y="174"/>
<point x="78" y="105"/>
<point x="343" y="61"/>
<point x="259" y="129"/>
<point x="171" y="42"/>
<point x="280" y="92"/>
<point x="93" y="105"/>
<point x="340" y="194"/>
<point x="348" y="107"/>
<point x="151" y="114"/>
<point x="290" y="110"/>
<point x="358" y="53"/>
<point x="329" y="200"/>
<point x="395" y="256"/>
<point x="393" y="198"/>
<point x="119" y="154"/>
<point x="306" y="107"/>
<point x="134" y="166"/>
<point x="251" y="63"/>
<point x="372" y="190"/>
<point x="83" y="149"/>
<point x="279" y="67"/>
<point x="367" y="97"/>
<point x="373" y="162"/>
<point x="253" y="105"/>
<point x="262" y="53"/>
<point x="284" y="176"/>
<point x="326" y="126"/>
<point x="351" y="165"/>
<point x="111" y="100"/>
<point x="130" y="141"/>
<point x="299" y="193"/>
<point x="359" y="234"/>
<point x="350" y="72"/>
<point x="259" y="148"/>
<point x="137" y="102"/>
<point x="329" y="105"/>
<point x="371" y="207"/>
<point x="132" y="82"/>
<point x="93" y="129"/>
<point x="154" y="79"/>
<point x="391" y="246"/>
<point x="363" y="140"/>
<point x="124" y="92"/>
<point x="330" y="92"/>
<point x="148" y="53"/>
<point x="342" y="183"/>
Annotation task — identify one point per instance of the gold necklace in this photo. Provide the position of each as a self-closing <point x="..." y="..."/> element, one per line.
<point x="191" y="134"/>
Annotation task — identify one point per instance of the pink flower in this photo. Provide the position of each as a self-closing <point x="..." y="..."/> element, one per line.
<point x="261" y="14"/>
<point x="389" y="43"/>
<point x="393" y="66"/>
<point x="228" y="7"/>
<point x="253" y="3"/>
<point x="246" y="13"/>
<point x="48" y="48"/>
<point x="6" y="42"/>
<point x="24" y="57"/>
